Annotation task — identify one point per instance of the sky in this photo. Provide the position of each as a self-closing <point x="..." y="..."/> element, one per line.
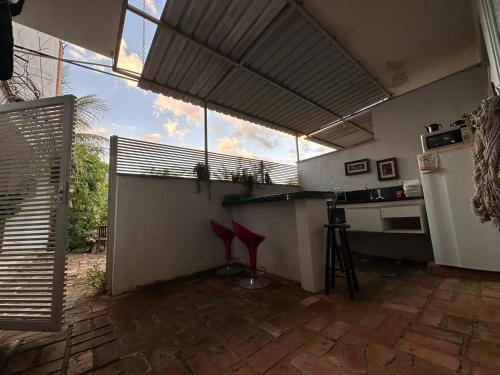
<point x="140" y="114"/>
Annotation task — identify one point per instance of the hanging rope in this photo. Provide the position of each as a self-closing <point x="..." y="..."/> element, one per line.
<point x="486" y="159"/>
<point x="143" y="57"/>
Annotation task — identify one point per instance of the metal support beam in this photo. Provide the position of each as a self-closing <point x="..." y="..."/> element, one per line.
<point x="212" y="51"/>
<point x="205" y="133"/>
<point x="304" y="13"/>
<point x="325" y="143"/>
<point x="297" y="146"/>
<point x="112" y="191"/>
<point x="118" y="43"/>
<point x="345" y="118"/>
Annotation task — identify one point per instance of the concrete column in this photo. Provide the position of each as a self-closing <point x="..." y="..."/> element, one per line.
<point x="311" y="215"/>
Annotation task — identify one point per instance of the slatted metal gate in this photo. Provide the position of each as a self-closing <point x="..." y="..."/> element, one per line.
<point x="35" y="155"/>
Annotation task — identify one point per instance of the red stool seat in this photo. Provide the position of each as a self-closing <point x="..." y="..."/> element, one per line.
<point x="226" y="235"/>
<point x="252" y="241"/>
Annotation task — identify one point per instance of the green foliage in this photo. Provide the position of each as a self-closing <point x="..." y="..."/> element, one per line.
<point x="96" y="278"/>
<point x="165" y="172"/>
<point x="247" y="177"/>
<point x="88" y="194"/>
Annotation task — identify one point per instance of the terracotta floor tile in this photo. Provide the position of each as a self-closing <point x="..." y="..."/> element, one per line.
<point x="203" y="324"/>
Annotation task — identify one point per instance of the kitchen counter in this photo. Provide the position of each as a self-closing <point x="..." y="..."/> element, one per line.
<point x="281" y="197"/>
<point x="376" y="201"/>
<point x="295" y="237"/>
<point x="306" y="195"/>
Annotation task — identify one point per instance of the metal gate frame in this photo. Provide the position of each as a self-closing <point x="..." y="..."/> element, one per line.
<point x="55" y="322"/>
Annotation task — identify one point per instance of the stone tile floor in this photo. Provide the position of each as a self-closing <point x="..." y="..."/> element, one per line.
<point x="412" y="324"/>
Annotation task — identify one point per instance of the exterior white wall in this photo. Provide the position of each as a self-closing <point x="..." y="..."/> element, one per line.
<point x="162" y="228"/>
<point x="489" y="19"/>
<point x="295" y="238"/>
<point x="398" y="124"/>
<point x="43" y="72"/>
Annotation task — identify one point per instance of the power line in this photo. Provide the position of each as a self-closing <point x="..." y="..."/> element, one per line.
<point x="81" y="64"/>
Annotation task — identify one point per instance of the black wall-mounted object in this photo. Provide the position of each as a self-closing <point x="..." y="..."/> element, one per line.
<point x="8" y="9"/>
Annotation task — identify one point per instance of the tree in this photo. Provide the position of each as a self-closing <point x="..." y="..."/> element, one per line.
<point x="88" y="194"/>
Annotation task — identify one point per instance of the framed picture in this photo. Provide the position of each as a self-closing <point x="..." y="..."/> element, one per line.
<point x="387" y="169"/>
<point x="357" y="167"/>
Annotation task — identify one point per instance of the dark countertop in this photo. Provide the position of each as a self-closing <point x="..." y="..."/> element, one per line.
<point x="281" y="197"/>
<point x="365" y="201"/>
<point x="304" y="195"/>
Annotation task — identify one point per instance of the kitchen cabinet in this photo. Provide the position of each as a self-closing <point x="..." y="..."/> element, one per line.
<point x="365" y="219"/>
<point x="405" y="216"/>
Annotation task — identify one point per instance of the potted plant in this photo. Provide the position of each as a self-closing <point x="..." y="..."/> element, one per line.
<point x="202" y="173"/>
<point x="248" y="180"/>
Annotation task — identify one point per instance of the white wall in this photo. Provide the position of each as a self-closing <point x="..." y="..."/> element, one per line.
<point x="162" y="228"/>
<point x="43" y="72"/>
<point x="398" y="124"/>
<point x="488" y="12"/>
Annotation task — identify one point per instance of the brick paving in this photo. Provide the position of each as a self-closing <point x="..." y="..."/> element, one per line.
<point x="203" y="324"/>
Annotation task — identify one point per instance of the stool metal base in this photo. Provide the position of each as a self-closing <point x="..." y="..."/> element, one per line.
<point x="254" y="283"/>
<point x="229" y="270"/>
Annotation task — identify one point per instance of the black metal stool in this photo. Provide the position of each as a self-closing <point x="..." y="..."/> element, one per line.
<point x="340" y="251"/>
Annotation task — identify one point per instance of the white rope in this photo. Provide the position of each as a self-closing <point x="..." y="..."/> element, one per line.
<point x="486" y="159"/>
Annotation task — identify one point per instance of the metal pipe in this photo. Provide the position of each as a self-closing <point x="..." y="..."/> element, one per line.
<point x="297" y="146"/>
<point x="206" y="133"/>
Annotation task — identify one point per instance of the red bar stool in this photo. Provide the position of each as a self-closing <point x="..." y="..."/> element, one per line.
<point x="226" y="235"/>
<point x="252" y="240"/>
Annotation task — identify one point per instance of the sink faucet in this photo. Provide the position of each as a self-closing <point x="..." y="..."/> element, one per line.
<point x="339" y="191"/>
<point x="372" y="196"/>
<point x="379" y="197"/>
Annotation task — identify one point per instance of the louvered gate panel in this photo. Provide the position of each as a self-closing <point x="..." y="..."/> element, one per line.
<point x="35" y="155"/>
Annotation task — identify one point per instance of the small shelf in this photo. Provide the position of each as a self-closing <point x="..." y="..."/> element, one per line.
<point x="404" y="231"/>
<point x="410" y="224"/>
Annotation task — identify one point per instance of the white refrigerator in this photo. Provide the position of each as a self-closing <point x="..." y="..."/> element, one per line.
<point x="458" y="238"/>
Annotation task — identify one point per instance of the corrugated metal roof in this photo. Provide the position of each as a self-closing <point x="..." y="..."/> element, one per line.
<point x="356" y="130"/>
<point x="259" y="60"/>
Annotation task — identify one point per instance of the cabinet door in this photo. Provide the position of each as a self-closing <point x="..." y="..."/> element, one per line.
<point x="364" y="219"/>
<point x="400" y="211"/>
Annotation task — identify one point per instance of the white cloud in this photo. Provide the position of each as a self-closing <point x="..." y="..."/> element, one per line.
<point x="228" y="145"/>
<point x="249" y="154"/>
<point x="76" y="54"/>
<point x="103" y="132"/>
<point x="79" y="53"/>
<point x="151" y="6"/>
<point x="191" y="112"/>
<point x="153" y="137"/>
<point x="308" y="149"/>
<point x="174" y="131"/>
<point x="129" y="61"/>
<point x="265" y="137"/>
<point x="232" y="146"/>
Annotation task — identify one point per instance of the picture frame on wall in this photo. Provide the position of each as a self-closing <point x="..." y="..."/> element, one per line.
<point x="357" y="167"/>
<point x="387" y="169"/>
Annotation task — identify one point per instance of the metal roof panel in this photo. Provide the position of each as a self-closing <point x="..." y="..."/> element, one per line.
<point x="262" y="60"/>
